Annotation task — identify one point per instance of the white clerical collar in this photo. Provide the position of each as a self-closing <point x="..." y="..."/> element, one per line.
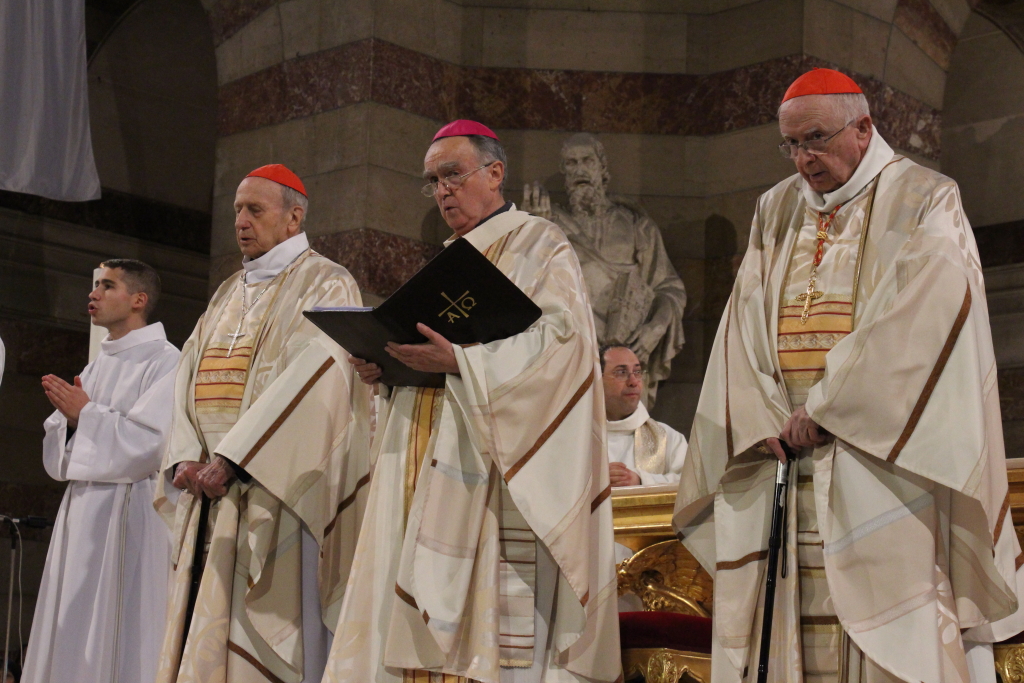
<point x="878" y="154"/>
<point x="268" y="266"/>
<point x="154" y="332"/>
<point x="492" y="230"/>
<point x="631" y="423"/>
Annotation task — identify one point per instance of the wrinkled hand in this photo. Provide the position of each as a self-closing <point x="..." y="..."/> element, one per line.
<point x="801" y="431"/>
<point x="775" y="446"/>
<point x="621" y="475"/>
<point x="369" y="373"/>
<point x="215" y="478"/>
<point x="185" y="476"/>
<point x="67" y="398"/>
<point x="536" y="200"/>
<point x="436" y="355"/>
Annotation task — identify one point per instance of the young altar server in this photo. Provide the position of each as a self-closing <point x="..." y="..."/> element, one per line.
<point x="100" y="612"/>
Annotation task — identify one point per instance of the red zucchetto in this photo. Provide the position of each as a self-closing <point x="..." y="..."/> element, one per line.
<point x="281" y="175"/>
<point x="822" y="82"/>
<point x="464" y="127"/>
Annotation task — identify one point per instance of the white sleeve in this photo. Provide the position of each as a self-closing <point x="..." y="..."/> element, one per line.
<point x="123" y="449"/>
<point x="54" y="447"/>
<point x="675" y="455"/>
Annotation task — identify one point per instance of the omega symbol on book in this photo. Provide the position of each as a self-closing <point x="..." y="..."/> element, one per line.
<point x="459" y="308"/>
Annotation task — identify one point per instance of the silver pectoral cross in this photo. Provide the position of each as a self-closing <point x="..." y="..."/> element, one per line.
<point x="235" y="337"/>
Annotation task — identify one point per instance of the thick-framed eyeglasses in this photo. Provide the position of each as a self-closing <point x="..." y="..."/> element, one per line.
<point x="452" y="181"/>
<point x="817" y="147"/>
<point x="622" y="374"/>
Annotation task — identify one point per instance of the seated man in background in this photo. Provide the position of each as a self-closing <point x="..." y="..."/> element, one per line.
<point x="100" y="611"/>
<point x="641" y="450"/>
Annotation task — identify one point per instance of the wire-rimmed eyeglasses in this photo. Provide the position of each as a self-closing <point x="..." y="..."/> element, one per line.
<point x="622" y="374"/>
<point x="451" y="181"/>
<point x="816" y="146"/>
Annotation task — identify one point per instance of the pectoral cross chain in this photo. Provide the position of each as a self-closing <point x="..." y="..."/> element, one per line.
<point x="811" y="294"/>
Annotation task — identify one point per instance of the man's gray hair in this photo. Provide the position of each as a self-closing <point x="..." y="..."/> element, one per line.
<point x="291" y="198"/>
<point x="591" y="141"/>
<point x="488" y="150"/>
<point x="844" y="108"/>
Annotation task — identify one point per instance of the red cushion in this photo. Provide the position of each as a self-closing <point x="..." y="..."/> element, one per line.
<point x="665" y="629"/>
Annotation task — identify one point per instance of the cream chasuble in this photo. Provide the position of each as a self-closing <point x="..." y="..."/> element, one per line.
<point x="277" y="398"/>
<point x="899" y="527"/>
<point x="487" y="548"/>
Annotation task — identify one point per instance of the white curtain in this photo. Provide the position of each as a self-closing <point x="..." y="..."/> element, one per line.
<point x="45" y="142"/>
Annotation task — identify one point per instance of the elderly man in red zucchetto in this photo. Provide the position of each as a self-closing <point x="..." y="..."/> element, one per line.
<point x="267" y="458"/>
<point x="857" y="333"/>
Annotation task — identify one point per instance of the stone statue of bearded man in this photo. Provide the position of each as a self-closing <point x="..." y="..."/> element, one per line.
<point x="637" y="296"/>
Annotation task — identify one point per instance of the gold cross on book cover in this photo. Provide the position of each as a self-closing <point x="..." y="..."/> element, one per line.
<point x="460" y="295"/>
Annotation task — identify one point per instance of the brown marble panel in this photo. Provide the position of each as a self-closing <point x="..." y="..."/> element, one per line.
<point x="228" y="16"/>
<point x="540" y="99"/>
<point x="923" y="24"/>
<point x="380" y="262"/>
<point x="296" y="88"/>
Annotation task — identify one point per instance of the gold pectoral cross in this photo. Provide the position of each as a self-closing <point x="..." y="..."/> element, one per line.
<point x="807" y="297"/>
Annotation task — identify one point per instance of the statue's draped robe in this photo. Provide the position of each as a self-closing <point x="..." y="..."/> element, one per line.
<point x="650" y="448"/>
<point x="910" y="497"/>
<point x="285" y="408"/>
<point x="621" y="241"/>
<point x="100" y="610"/>
<point x="489" y="510"/>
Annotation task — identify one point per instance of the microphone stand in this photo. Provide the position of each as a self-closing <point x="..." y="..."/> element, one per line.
<point x="12" y="525"/>
<point x="775" y="543"/>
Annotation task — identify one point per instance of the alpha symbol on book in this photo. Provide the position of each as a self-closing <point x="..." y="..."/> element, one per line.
<point x="459" y="308"/>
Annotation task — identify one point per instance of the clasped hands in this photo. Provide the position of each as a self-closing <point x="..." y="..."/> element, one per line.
<point x="434" y="355"/>
<point x="198" y="478"/>
<point x="69" y="399"/>
<point x="800" y="431"/>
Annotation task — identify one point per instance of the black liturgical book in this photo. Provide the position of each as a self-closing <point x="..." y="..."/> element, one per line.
<point x="459" y="294"/>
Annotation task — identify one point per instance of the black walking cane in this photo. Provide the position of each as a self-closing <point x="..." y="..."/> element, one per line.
<point x="775" y="542"/>
<point x="197" y="567"/>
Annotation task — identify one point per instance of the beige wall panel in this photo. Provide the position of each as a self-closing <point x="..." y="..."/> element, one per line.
<point x="394" y="203"/>
<point x="256" y="46"/>
<point x="844" y="36"/>
<point x="309" y="26"/>
<point x="738" y="161"/>
<point x="325" y="142"/>
<point x="338" y="200"/>
<point x="586" y="41"/>
<point x="987" y="161"/>
<point x="746" y="35"/>
<point x="671" y="165"/>
<point x="433" y="27"/>
<point x="909" y="69"/>
<point x="983" y="63"/>
<point x="398" y="140"/>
